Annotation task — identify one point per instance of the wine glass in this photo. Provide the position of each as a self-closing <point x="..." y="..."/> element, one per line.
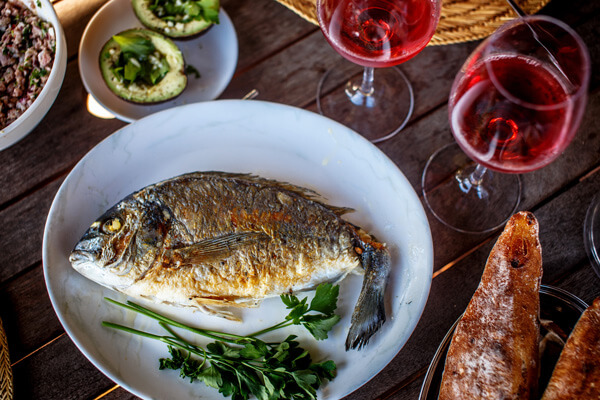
<point x="514" y="107"/>
<point x="377" y="103"/>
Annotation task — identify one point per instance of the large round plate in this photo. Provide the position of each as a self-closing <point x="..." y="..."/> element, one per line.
<point x="270" y="140"/>
<point x="214" y="54"/>
<point x="19" y="128"/>
<point x="558" y="308"/>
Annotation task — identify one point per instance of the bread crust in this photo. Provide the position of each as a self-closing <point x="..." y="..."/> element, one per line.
<point x="577" y="371"/>
<point x="494" y="352"/>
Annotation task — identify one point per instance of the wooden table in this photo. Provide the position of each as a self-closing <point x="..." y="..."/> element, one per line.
<point x="283" y="56"/>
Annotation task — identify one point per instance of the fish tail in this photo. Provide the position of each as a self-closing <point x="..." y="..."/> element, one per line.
<point x="369" y="311"/>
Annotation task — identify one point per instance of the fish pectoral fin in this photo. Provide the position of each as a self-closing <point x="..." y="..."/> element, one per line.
<point x="218" y="248"/>
<point x="215" y="311"/>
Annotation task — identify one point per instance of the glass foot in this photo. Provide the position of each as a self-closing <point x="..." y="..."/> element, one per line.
<point x="591" y="233"/>
<point x="377" y="115"/>
<point x="466" y="201"/>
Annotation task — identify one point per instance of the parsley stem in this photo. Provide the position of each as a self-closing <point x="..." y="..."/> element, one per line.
<point x="170" y="340"/>
<point x="225" y="337"/>
<point x="282" y="324"/>
<point x="131" y="330"/>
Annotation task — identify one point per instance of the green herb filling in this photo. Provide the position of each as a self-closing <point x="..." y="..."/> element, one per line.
<point x="184" y="11"/>
<point x="139" y="62"/>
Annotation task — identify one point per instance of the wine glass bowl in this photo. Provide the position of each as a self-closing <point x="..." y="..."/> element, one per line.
<point x="378" y="33"/>
<point x="373" y="34"/>
<point x="514" y="106"/>
<point x="517" y="103"/>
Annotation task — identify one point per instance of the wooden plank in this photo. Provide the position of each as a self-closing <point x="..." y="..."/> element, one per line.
<point x="264" y="28"/>
<point x="25" y="309"/>
<point x="411" y="391"/>
<point x="74" y="16"/>
<point x="118" y="393"/>
<point x="21" y="247"/>
<point x="291" y="77"/>
<point x="58" y="371"/>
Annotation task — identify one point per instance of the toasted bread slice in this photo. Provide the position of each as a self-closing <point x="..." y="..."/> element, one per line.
<point x="494" y="352"/>
<point x="577" y="371"/>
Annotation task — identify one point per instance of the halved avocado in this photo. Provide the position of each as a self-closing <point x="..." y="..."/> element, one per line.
<point x="152" y="51"/>
<point x="177" y="18"/>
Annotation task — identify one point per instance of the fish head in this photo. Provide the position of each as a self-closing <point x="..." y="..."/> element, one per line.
<point x="106" y="252"/>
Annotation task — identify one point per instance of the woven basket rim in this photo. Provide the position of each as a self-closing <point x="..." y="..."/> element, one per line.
<point x="6" y="383"/>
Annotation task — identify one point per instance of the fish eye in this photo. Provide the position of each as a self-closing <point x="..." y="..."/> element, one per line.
<point x="112" y="225"/>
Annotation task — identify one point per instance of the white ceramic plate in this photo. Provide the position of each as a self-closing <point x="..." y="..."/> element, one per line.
<point x="38" y="109"/>
<point x="270" y="140"/>
<point x="214" y="54"/>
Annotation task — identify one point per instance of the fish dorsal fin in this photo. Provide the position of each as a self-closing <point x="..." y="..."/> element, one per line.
<point x="251" y="179"/>
<point x="216" y="249"/>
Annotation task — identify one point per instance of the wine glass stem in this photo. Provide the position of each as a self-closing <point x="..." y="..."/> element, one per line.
<point x="473" y="181"/>
<point x="366" y="87"/>
<point x="362" y="95"/>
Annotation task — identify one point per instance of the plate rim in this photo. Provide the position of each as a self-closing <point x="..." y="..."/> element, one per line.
<point x="427" y="257"/>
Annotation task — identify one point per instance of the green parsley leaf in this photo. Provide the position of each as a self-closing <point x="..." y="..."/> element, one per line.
<point x="159" y="72"/>
<point x="132" y="69"/>
<point x="252" y="351"/>
<point x="211" y="377"/>
<point x="319" y="326"/>
<point x="326" y="370"/>
<point x="137" y="45"/>
<point x="325" y="299"/>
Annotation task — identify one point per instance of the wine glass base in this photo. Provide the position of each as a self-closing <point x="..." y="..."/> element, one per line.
<point x="378" y="115"/>
<point x="462" y="206"/>
<point x="591" y="233"/>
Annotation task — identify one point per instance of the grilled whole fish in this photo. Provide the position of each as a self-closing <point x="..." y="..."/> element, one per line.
<point x="208" y="239"/>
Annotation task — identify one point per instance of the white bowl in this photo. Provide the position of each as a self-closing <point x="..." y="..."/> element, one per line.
<point x="34" y="114"/>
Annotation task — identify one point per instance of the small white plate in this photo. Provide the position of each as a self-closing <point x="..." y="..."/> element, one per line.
<point x="19" y="128"/>
<point x="246" y="136"/>
<point x="214" y="54"/>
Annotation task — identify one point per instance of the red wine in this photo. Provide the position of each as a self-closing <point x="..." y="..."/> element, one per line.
<point x="378" y="33"/>
<point x="520" y="127"/>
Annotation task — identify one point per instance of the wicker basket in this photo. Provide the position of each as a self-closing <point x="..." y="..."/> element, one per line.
<point x="6" y="384"/>
<point x="460" y="20"/>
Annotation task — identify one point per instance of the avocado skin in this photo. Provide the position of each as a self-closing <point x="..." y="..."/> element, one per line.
<point x="172" y="84"/>
<point x="189" y="30"/>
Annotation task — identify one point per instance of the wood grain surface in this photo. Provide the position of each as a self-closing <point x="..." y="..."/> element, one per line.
<point x="283" y="56"/>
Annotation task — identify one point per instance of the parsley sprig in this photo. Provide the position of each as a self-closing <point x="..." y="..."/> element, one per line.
<point x="323" y="304"/>
<point x="241" y="366"/>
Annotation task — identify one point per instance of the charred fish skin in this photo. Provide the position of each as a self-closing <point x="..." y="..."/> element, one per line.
<point x="221" y="239"/>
